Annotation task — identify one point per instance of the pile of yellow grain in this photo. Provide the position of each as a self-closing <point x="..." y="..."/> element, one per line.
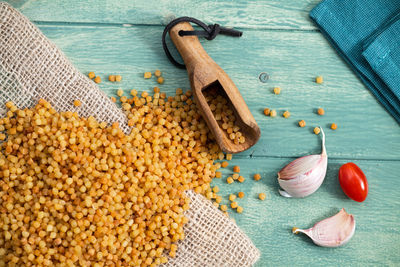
<point x="75" y="191"/>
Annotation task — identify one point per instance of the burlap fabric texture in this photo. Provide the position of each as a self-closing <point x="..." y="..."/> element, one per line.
<point x="32" y="67"/>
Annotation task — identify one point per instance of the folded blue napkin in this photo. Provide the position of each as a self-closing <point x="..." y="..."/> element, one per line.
<point x="366" y="33"/>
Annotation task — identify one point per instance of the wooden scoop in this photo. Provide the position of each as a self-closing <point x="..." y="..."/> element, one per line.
<point x="205" y="74"/>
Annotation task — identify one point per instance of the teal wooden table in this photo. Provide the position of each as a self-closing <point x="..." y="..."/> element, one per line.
<point x="124" y="37"/>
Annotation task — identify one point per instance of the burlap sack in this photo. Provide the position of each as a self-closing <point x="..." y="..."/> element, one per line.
<point x="31" y="67"/>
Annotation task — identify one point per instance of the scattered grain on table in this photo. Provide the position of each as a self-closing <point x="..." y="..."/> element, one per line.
<point x="286" y="114"/>
<point x="319" y="79"/>
<point x="91" y="75"/>
<point x="147" y="75"/>
<point x="239" y="209"/>
<point x="234" y="205"/>
<point x="160" y="80"/>
<point x="236" y="168"/>
<point x="224" y="164"/>
<point x="257" y="176"/>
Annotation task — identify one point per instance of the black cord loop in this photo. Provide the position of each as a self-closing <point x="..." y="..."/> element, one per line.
<point x="210" y="32"/>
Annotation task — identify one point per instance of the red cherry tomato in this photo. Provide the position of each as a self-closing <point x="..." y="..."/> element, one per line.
<point x="353" y="182"/>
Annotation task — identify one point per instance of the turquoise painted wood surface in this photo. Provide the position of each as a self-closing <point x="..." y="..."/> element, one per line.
<point x="275" y="14"/>
<point x="124" y="37"/>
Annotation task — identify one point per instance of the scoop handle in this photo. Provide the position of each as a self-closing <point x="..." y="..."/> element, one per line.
<point x="193" y="53"/>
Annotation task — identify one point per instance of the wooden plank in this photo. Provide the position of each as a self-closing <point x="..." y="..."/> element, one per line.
<point x="17" y="3"/>
<point x="292" y="59"/>
<point x="268" y="223"/>
<point x="252" y="14"/>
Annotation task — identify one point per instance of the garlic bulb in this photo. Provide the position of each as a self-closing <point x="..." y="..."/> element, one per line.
<point x="304" y="176"/>
<point x="334" y="231"/>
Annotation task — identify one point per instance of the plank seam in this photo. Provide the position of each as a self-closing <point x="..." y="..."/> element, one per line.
<point x="330" y="158"/>
<point x="127" y="25"/>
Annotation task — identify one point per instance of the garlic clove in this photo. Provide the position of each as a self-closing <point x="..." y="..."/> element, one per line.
<point x="304" y="175"/>
<point x="334" y="231"/>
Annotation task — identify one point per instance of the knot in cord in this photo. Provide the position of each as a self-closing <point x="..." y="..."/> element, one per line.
<point x="215" y="29"/>
<point x="210" y="32"/>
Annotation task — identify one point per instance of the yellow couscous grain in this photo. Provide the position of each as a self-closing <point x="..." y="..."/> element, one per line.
<point x="239" y="209"/>
<point x="224" y="164"/>
<point x="236" y="168"/>
<point x="77" y="103"/>
<point x="234" y="205"/>
<point x="302" y="123"/>
<point x="160" y="80"/>
<point x="277" y="90"/>
<point x="111" y="78"/>
<point x="147" y="75"/>
<point x="286" y="114"/>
